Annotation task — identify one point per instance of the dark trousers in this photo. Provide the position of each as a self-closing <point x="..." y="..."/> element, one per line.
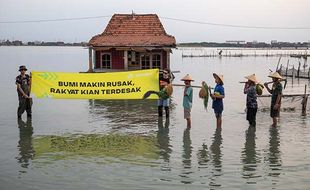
<point x="24" y="104"/>
<point x="251" y="115"/>
<point x="160" y="111"/>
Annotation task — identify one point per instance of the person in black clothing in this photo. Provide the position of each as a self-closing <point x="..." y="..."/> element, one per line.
<point x="23" y="83"/>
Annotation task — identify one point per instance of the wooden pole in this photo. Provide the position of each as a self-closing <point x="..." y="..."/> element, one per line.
<point x="304" y="103"/>
<point x="309" y="73"/>
<point x="298" y="70"/>
<point x="90" y="60"/>
<point x="191" y="85"/>
<point x="287" y="67"/>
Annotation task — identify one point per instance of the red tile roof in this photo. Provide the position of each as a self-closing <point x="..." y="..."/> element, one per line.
<point x="134" y="30"/>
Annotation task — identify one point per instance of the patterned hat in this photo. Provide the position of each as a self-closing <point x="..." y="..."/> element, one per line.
<point x="275" y="75"/>
<point x="187" y="78"/>
<point x="252" y="78"/>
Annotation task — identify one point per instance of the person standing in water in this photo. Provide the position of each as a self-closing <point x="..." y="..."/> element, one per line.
<point x="217" y="98"/>
<point x="187" y="99"/>
<point x="251" y="99"/>
<point x="276" y="96"/>
<point x="23" y="84"/>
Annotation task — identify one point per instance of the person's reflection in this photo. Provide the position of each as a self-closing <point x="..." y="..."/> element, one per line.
<point x="274" y="154"/>
<point x="249" y="155"/>
<point x="26" y="152"/>
<point x="163" y="139"/>
<point x="216" y="156"/>
<point x="203" y="155"/>
<point x="187" y="154"/>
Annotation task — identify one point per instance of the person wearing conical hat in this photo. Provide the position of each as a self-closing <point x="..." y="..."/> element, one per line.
<point x="217" y="98"/>
<point x="276" y="95"/>
<point x="187" y="99"/>
<point x="251" y="99"/>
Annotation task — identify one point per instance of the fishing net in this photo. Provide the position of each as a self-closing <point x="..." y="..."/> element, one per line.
<point x="288" y="103"/>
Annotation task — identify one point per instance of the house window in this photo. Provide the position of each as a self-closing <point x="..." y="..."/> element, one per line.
<point x="156" y="61"/>
<point x="106" y="61"/>
<point x="145" y="61"/>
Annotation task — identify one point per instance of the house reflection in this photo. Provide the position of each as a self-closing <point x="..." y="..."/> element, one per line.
<point x="25" y="146"/>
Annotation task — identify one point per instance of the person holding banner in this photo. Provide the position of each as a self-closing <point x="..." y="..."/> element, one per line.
<point x="187" y="99"/>
<point x="23" y="83"/>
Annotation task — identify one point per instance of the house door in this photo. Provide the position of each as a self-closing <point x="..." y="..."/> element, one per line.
<point x="133" y="60"/>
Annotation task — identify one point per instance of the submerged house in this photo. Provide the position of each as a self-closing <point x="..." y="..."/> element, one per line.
<point x="131" y="42"/>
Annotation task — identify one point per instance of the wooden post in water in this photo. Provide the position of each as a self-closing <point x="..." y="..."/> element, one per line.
<point x="298" y="69"/>
<point x="287" y="67"/>
<point x="309" y="73"/>
<point x="304" y="103"/>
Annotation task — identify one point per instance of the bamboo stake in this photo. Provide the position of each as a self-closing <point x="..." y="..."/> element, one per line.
<point x="298" y="69"/>
<point x="191" y="85"/>
<point x="287" y="67"/>
<point x="304" y="103"/>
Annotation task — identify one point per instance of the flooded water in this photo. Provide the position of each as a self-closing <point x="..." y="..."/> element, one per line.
<point x="97" y="144"/>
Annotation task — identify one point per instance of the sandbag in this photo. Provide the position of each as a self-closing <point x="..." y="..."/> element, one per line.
<point x="169" y="89"/>
<point x="259" y="89"/>
<point x="202" y="93"/>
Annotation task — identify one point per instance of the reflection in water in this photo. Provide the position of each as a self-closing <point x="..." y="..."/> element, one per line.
<point x="187" y="154"/>
<point x="163" y="139"/>
<point x="125" y="113"/>
<point x="216" y="156"/>
<point x="274" y="154"/>
<point x="95" y="145"/>
<point x="249" y="156"/>
<point x="25" y="147"/>
<point x="203" y="156"/>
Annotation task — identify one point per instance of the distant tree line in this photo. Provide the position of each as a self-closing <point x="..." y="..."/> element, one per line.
<point x="39" y="43"/>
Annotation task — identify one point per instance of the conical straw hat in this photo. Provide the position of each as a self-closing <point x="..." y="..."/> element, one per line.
<point x="221" y="77"/>
<point x="252" y="78"/>
<point x="275" y="75"/>
<point x="187" y="78"/>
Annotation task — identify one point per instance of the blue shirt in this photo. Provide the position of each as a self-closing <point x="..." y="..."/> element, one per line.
<point x="188" y="97"/>
<point x="217" y="103"/>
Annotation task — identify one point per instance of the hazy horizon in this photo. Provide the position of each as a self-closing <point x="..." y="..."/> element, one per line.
<point x="212" y="21"/>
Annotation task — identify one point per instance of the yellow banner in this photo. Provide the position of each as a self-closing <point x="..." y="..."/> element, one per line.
<point x="115" y="85"/>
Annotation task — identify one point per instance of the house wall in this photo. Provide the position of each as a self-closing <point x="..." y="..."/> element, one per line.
<point x="117" y="58"/>
<point x="164" y="59"/>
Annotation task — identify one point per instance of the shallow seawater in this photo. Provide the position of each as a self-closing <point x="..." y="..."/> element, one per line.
<point x="105" y="144"/>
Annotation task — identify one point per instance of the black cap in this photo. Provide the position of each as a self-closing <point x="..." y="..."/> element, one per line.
<point x="22" y="67"/>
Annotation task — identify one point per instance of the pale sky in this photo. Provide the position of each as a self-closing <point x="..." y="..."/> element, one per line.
<point x="269" y="13"/>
